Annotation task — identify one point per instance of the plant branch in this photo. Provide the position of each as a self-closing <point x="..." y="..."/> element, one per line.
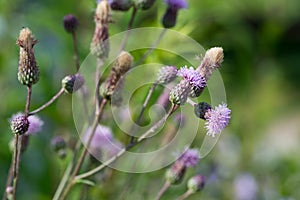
<point x="76" y="57"/>
<point x="61" y="91"/>
<point x="163" y="190"/>
<point x="185" y="195"/>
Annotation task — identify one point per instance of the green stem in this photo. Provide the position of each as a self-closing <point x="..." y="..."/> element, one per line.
<point x="163" y="190"/>
<point x="76" y="57"/>
<point x="185" y="195"/>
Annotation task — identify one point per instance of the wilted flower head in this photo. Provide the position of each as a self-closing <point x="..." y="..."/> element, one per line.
<point x="176" y="4"/>
<point x="217" y="119"/>
<point x="192" y="76"/>
<point x="190" y="157"/>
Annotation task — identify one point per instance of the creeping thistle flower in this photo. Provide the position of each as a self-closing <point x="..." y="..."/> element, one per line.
<point x="70" y="23"/>
<point x="170" y="16"/>
<point x="175" y="174"/>
<point x="191" y="79"/>
<point x="120" y="67"/>
<point x="120" y="5"/>
<point x="190" y="158"/>
<point x="19" y="125"/>
<point x="35" y="123"/>
<point x="200" y="109"/>
<point x="28" y="72"/>
<point x="72" y="83"/>
<point x="217" y="119"/>
<point x="196" y="183"/>
<point x="144" y="4"/>
<point x="166" y="74"/>
<point x="100" y="43"/>
<point x="211" y="61"/>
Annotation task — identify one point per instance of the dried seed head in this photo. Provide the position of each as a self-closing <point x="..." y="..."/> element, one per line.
<point x="201" y="108"/>
<point x="144" y="4"/>
<point x="123" y="63"/>
<point x="72" y="83"/>
<point x="176" y="173"/>
<point x="70" y="23"/>
<point x="196" y="183"/>
<point x="28" y="73"/>
<point x="212" y="60"/>
<point x="19" y="125"/>
<point x="102" y="14"/>
<point x="166" y="74"/>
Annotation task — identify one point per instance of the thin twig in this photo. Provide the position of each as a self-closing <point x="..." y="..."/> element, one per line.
<point x="61" y="91"/>
<point x="125" y="39"/>
<point x="138" y="121"/>
<point x="122" y="151"/>
<point x="150" y="50"/>
<point x="185" y="195"/>
<point x="163" y="190"/>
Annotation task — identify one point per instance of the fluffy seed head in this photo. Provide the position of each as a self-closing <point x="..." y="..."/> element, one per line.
<point x="217" y="119"/>
<point x="166" y="74"/>
<point x="196" y="183"/>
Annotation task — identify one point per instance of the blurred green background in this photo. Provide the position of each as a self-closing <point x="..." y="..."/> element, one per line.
<point x="258" y="152"/>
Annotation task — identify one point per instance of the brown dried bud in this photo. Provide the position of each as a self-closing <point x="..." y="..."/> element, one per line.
<point x="28" y="73"/>
<point x="123" y="63"/>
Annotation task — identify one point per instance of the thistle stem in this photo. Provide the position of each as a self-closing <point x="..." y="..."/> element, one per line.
<point x="76" y="57"/>
<point x="125" y="39"/>
<point x="150" y="50"/>
<point x="138" y="121"/>
<point x="61" y="91"/>
<point x="122" y="151"/>
<point x="163" y="190"/>
<point x="185" y="195"/>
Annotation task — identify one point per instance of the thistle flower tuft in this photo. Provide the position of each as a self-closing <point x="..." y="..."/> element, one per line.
<point x="166" y="74"/>
<point x="72" y="83"/>
<point x="190" y="157"/>
<point x="217" y="119"/>
<point x="196" y="183"/>
<point x="28" y="72"/>
<point x="70" y="23"/>
<point x="19" y="125"/>
<point x="192" y="76"/>
<point x="170" y="16"/>
<point x="35" y="123"/>
<point x="212" y="60"/>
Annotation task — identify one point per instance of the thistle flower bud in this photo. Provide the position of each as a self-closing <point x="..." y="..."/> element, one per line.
<point x="170" y="16"/>
<point x="196" y="183"/>
<point x="120" y="67"/>
<point x="212" y="60"/>
<point x="58" y="143"/>
<point x="180" y="92"/>
<point x="166" y="74"/>
<point x="190" y="158"/>
<point x="72" y="83"/>
<point x="121" y="5"/>
<point x="201" y="108"/>
<point x="144" y="4"/>
<point x="176" y="173"/>
<point x="19" y="125"/>
<point x="100" y="43"/>
<point x="28" y="72"/>
<point x="70" y="23"/>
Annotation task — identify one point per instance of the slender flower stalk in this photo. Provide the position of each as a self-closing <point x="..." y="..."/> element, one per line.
<point x="163" y="190"/>
<point x="185" y="195"/>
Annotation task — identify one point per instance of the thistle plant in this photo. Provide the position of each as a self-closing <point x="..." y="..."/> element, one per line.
<point x="99" y="139"/>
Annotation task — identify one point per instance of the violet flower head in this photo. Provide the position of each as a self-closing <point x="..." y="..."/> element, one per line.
<point x="101" y="136"/>
<point x="192" y="76"/>
<point x="217" y="119"/>
<point x="35" y="125"/>
<point x="176" y="4"/>
<point x="190" y="157"/>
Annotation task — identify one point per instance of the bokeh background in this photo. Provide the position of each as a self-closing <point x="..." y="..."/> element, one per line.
<point x="257" y="157"/>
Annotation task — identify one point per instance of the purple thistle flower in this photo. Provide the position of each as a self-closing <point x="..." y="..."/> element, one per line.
<point x="190" y="157"/>
<point x="176" y="4"/>
<point x="217" y="119"/>
<point x="35" y="123"/>
<point x="192" y="76"/>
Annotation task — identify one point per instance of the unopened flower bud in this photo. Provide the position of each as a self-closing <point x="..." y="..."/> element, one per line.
<point x="70" y="23"/>
<point x="58" y="143"/>
<point x="170" y="16"/>
<point x="19" y="125"/>
<point x="201" y="108"/>
<point x="180" y="92"/>
<point x="121" y="5"/>
<point x="166" y="74"/>
<point x="72" y="83"/>
<point x="196" y="183"/>
<point x="176" y="173"/>
<point x="28" y="72"/>
<point x="144" y="4"/>
<point x="212" y="60"/>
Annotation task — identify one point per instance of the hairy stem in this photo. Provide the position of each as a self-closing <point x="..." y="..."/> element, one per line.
<point x="163" y="190"/>
<point x="61" y="91"/>
<point x="122" y="151"/>
<point x="124" y="41"/>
